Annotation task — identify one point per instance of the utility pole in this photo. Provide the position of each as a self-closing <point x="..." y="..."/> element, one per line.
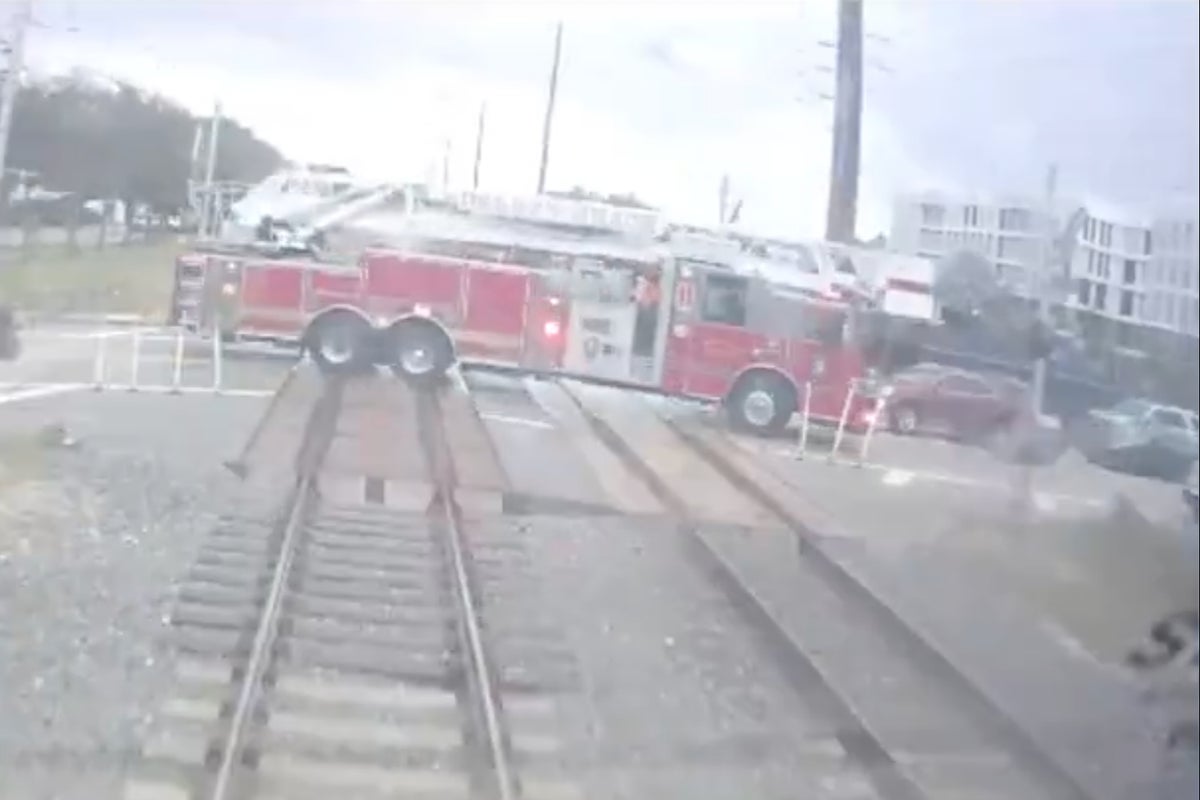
<point x="723" y="201"/>
<point x="847" y="124"/>
<point x="541" y="184"/>
<point x="12" y="77"/>
<point x="207" y="218"/>
<point x="1039" y="285"/>
<point x="1041" y="301"/>
<point x="446" y="165"/>
<point x="478" y="147"/>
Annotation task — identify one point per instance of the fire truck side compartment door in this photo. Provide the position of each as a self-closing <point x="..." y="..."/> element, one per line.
<point x="329" y="287"/>
<point x="601" y="326"/>
<point x="721" y="344"/>
<point x="495" y="312"/>
<point x="396" y="282"/>
<point x="272" y="297"/>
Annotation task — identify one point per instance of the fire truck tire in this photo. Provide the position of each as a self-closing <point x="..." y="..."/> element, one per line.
<point x="419" y="350"/>
<point x="339" y="342"/>
<point x="762" y="403"/>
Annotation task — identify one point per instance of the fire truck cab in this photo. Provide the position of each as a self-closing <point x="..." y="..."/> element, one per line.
<point x="759" y="348"/>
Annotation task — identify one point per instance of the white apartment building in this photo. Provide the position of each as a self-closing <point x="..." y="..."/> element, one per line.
<point x="1135" y="272"/>
<point x="1010" y="231"/>
<point x="1139" y="272"/>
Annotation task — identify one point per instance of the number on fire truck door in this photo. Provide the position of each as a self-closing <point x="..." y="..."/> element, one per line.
<point x="600" y="339"/>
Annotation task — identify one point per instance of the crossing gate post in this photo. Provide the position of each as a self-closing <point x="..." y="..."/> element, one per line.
<point x="98" y="363"/>
<point x="134" y="359"/>
<point x="841" y="428"/>
<point x="877" y="413"/>
<point x="177" y="366"/>
<point x="802" y="445"/>
<point x="216" y="359"/>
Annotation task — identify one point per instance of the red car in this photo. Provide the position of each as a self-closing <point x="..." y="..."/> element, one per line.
<point x="953" y="402"/>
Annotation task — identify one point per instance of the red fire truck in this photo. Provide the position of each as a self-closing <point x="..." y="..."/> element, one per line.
<point x="544" y="285"/>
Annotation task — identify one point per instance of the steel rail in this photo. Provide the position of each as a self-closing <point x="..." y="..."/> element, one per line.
<point x="316" y="441"/>
<point x="480" y="669"/>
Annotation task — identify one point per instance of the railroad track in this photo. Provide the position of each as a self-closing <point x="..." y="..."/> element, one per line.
<point x="342" y="652"/>
<point x="907" y="720"/>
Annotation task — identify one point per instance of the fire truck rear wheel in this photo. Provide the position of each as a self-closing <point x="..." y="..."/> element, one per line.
<point x="419" y="350"/>
<point x="338" y="342"/>
<point x="762" y="403"/>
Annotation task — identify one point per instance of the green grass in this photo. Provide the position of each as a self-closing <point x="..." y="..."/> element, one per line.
<point x="120" y="279"/>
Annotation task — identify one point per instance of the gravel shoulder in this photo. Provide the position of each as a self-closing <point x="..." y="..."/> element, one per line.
<point x="103" y="502"/>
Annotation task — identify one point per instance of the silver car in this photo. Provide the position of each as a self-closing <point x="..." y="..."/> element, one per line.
<point x="1141" y="437"/>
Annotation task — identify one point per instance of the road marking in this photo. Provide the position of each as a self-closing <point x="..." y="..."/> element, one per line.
<point x="30" y="391"/>
<point x="76" y="336"/>
<point x="526" y="421"/>
<point x="34" y="392"/>
<point x="1045" y="501"/>
<point x="897" y="477"/>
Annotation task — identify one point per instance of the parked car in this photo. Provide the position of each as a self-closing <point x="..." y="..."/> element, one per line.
<point x="10" y="341"/>
<point x="1141" y="438"/>
<point x="953" y="402"/>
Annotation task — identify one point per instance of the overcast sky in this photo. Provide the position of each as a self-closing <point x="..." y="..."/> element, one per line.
<point x="662" y="98"/>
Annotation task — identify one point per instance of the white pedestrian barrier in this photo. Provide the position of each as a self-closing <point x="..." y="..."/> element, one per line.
<point x="841" y="426"/>
<point x="177" y="371"/>
<point x="839" y="434"/>
<point x="805" y="408"/>
<point x="158" y="362"/>
<point x="135" y="359"/>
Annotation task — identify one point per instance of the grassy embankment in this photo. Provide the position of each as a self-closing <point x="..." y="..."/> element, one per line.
<point x="120" y="279"/>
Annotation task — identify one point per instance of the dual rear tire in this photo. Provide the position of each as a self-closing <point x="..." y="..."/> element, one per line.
<point x="343" y="342"/>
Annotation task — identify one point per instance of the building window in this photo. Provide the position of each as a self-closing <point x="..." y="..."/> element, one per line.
<point x="1106" y="232"/>
<point x="1102" y="264"/>
<point x="1147" y="243"/>
<point x="1130" y="275"/>
<point x="1101" y="297"/>
<point x="1014" y="219"/>
<point x="971" y="216"/>
<point x="1126" y="303"/>
<point x="1083" y="292"/>
<point x="1091" y="265"/>
<point x="932" y="214"/>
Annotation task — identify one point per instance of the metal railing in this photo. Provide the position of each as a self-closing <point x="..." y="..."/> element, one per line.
<point x="858" y="388"/>
<point x="139" y="337"/>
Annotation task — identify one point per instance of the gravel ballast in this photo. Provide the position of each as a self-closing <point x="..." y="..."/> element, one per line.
<point x="103" y="502"/>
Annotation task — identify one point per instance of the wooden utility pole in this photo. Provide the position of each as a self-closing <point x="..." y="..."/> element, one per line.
<point x="478" y="147"/>
<point x="541" y="184"/>
<point x="847" y="124"/>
